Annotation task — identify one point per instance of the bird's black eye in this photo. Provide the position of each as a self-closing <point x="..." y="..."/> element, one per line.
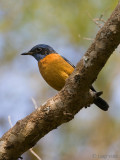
<point x="38" y="49"/>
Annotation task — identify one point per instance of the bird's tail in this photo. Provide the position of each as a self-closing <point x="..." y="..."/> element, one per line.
<point x="101" y="103"/>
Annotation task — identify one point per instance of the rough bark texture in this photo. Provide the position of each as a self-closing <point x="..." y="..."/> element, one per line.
<point x="74" y="96"/>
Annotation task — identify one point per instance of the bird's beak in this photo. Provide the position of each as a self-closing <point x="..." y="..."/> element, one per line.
<point x="27" y="53"/>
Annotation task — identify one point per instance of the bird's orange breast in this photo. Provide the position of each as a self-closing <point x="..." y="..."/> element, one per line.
<point x="55" y="70"/>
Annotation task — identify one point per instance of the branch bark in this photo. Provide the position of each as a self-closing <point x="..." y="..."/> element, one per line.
<point x="73" y="97"/>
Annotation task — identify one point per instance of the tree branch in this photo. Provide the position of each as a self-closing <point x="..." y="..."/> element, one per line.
<point x="73" y="97"/>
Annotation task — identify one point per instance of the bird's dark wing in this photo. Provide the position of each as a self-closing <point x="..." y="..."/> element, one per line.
<point x="68" y="61"/>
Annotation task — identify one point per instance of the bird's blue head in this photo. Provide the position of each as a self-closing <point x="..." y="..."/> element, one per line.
<point x="40" y="51"/>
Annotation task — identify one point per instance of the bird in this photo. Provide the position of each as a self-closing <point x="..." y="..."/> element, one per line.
<point x="55" y="69"/>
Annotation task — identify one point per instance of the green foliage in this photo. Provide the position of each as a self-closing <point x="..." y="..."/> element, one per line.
<point x="70" y="17"/>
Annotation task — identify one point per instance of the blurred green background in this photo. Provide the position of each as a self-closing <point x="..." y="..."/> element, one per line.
<point x="64" y="25"/>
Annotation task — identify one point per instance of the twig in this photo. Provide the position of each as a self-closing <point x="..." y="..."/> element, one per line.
<point x="89" y="39"/>
<point x="10" y="122"/>
<point x="97" y="20"/>
<point x="31" y="150"/>
<point x="35" y="103"/>
<point x="101" y="20"/>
